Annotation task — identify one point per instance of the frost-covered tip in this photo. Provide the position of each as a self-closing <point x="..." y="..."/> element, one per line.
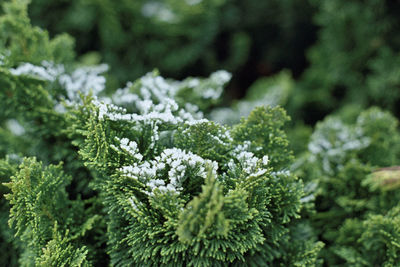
<point x="83" y="79"/>
<point x="265" y="160"/>
<point x="212" y="93"/>
<point x="258" y="173"/>
<point x="15" y="127"/>
<point x="103" y="110"/>
<point x="193" y="82"/>
<point x="221" y="77"/>
<point x="248" y="161"/>
<point x="160" y="113"/>
<point x="48" y="71"/>
<point x="110" y="111"/>
<point x="130" y="147"/>
<point x="132" y="202"/>
<point x="157" y="87"/>
<point x="177" y="162"/>
<point x="123" y="96"/>
<point x="159" y="11"/>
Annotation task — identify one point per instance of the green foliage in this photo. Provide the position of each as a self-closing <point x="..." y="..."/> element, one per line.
<point x="40" y="205"/>
<point x="24" y="43"/>
<point x="59" y="252"/>
<point x="183" y="37"/>
<point x="10" y="253"/>
<point x="264" y="129"/>
<point x="382" y="129"/>
<point x="157" y="168"/>
<point x="374" y="241"/>
<point x="147" y="175"/>
<point x="33" y="124"/>
<point x="190" y="192"/>
<point x="349" y="195"/>
<point x="352" y="62"/>
<point x="270" y="91"/>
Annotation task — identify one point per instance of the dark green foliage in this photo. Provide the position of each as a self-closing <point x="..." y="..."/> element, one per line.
<point x="265" y="125"/>
<point x="355" y="59"/>
<point x="49" y="224"/>
<point x="10" y="253"/>
<point x="372" y="242"/>
<point x="183" y="38"/>
<point x="25" y="43"/>
<point x="349" y="198"/>
<point x="141" y="177"/>
<point x="165" y="209"/>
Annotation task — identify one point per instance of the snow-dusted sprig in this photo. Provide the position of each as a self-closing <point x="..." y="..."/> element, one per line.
<point x="153" y="103"/>
<point x="189" y="94"/>
<point x="207" y="89"/>
<point x="47" y="71"/>
<point x="84" y="80"/>
<point x="332" y="142"/>
<point x="123" y="96"/>
<point x="164" y="114"/>
<point x="169" y="171"/>
<point x="110" y="111"/>
<point x="129" y="147"/>
<point x="245" y="164"/>
<point x="15" y="127"/>
<point x="81" y="80"/>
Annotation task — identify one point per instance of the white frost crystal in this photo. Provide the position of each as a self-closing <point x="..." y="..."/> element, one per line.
<point x="178" y="163"/>
<point x="265" y="160"/>
<point x="81" y="80"/>
<point x="333" y="140"/>
<point x="15" y="127"/>
<point x="130" y="147"/>
<point x="221" y="76"/>
<point x="48" y="71"/>
<point x="84" y="80"/>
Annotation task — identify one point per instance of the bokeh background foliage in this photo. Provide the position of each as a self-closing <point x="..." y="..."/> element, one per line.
<point x="340" y="52"/>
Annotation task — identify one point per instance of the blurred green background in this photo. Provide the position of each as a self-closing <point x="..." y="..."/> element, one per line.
<point x="342" y="54"/>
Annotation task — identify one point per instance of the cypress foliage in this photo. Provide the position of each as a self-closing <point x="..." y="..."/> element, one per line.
<point x="188" y="192"/>
<point x="143" y="177"/>
<point x="48" y="223"/>
<point x="356" y="199"/>
<point x="144" y="172"/>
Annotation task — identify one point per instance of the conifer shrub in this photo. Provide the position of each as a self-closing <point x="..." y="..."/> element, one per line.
<point x="139" y="177"/>
<point x="157" y="174"/>
<point x="173" y="188"/>
<point x="195" y="192"/>
<point x="356" y="190"/>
